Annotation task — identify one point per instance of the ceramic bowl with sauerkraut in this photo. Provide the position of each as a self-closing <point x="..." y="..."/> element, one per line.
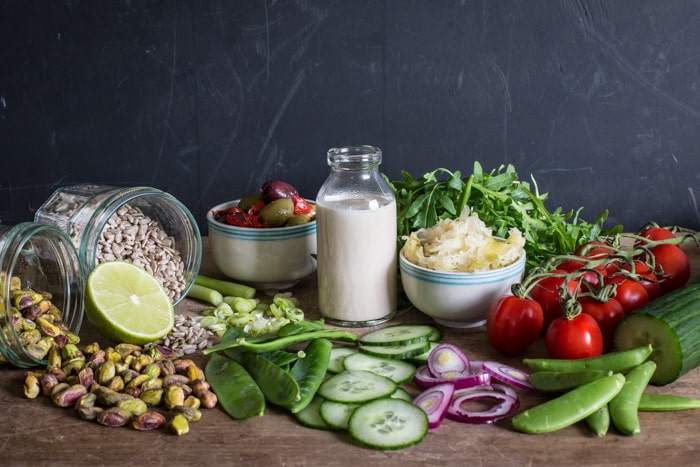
<point x="456" y="269"/>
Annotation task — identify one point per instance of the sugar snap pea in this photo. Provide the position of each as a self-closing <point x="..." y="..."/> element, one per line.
<point x="555" y="381"/>
<point x="269" y="345"/>
<point x="655" y="402"/>
<point x="617" y="362"/>
<point x="237" y="392"/>
<point x="624" y="408"/>
<point x="599" y="421"/>
<point x="569" y="408"/>
<point x="277" y="385"/>
<point x="297" y="327"/>
<point x="310" y="371"/>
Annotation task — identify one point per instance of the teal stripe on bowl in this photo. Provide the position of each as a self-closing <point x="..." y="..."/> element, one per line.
<point x="437" y="277"/>
<point x="263" y="234"/>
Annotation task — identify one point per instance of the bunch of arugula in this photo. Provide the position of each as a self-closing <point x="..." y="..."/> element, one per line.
<point x="502" y="201"/>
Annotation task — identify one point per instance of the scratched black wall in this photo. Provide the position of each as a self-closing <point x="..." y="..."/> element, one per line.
<point x="598" y="99"/>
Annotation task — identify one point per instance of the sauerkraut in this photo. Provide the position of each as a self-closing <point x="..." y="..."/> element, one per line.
<point x="464" y="244"/>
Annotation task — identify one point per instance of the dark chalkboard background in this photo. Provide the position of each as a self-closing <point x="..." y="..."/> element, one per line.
<point x="598" y="99"/>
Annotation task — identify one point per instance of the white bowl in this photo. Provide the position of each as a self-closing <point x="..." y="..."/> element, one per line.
<point x="457" y="299"/>
<point x="266" y="258"/>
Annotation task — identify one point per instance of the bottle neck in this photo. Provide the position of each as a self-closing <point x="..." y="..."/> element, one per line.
<point x="355" y="158"/>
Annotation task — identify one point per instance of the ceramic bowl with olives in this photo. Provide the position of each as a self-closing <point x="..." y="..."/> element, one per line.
<point x="266" y="239"/>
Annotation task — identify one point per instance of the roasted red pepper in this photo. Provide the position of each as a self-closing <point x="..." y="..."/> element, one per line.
<point x="301" y="206"/>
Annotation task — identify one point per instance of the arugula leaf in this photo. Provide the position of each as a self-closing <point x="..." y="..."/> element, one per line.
<point x="502" y="201"/>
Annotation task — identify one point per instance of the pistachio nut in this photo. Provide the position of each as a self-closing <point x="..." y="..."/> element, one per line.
<point x="116" y="383"/>
<point x="179" y="425"/>
<point x="124" y="349"/>
<point x="174" y="396"/>
<point x="89" y="413"/>
<point x="152" y="397"/>
<point x="114" y="417"/>
<point x="68" y="396"/>
<point x="148" y="421"/>
<point x="192" y="414"/>
<point x="32" y="387"/>
<point x="134" y="406"/>
<point x="86" y="376"/>
<point x="106" y="372"/>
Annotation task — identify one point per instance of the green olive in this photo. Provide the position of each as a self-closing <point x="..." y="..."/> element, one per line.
<point x="248" y="202"/>
<point x="277" y="212"/>
<point x="298" y="219"/>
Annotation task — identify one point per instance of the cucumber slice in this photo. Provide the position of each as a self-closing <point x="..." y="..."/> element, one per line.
<point x="388" y="424"/>
<point x="398" y="334"/>
<point x="423" y="358"/>
<point x="401" y="393"/>
<point x="336" y="414"/>
<point x="310" y="415"/>
<point x="356" y="386"/>
<point x="338" y="354"/>
<point x="401" y="352"/>
<point x="398" y="371"/>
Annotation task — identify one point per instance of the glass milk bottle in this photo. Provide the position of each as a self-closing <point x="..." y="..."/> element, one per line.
<point x="357" y="247"/>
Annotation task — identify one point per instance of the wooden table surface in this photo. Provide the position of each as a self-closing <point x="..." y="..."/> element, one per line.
<point x="36" y="432"/>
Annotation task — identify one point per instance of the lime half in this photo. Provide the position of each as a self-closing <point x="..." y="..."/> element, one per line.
<point x="125" y="303"/>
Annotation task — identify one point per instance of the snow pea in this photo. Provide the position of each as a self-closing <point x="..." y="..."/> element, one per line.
<point x="570" y="407"/>
<point x="652" y="402"/>
<point x="297" y="327"/>
<point x="277" y="385"/>
<point x="624" y="407"/>
<point x="237" y="392"/>
<point x="599" y="421"/>
<point x="555" y="381"/>
<point x="616" y="362"/>
<point x="310" y="371"/>
<point x="263" y="346"/>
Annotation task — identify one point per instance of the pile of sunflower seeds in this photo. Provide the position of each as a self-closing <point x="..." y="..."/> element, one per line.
<point x="130" y="235"/>
<point x="188" y="336"/>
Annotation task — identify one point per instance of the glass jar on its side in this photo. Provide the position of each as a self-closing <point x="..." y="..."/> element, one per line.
<point x="41" y="292"/>
<point x="142" y="225"/>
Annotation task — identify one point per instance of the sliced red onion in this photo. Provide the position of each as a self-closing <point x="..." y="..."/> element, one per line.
<point x="505" y="407"/>
<point x="505" y="389"/>
<point x="508" y="374"/>
<point x="434" y="401"/>
<point x="447" y="359"/>
<point x="480" y="388"/>
<point x="425" y="379"/>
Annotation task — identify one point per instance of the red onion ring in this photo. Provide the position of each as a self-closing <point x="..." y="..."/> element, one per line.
<point x="506" y="406"/>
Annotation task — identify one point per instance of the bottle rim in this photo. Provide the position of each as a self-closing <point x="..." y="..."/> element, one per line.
<point x="354" y="156"/>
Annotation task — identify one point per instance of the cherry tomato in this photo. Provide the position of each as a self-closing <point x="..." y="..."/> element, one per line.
<point x="656" y="233"/>
<point x="607" y="314"/>
<point x="672" y="266"/>
<point x="630" y="293"/>
<point x="546" y="293"/>
<point x="513" y="324"/>
<point x="651" y="284"/>
<point x="578" y="337"/>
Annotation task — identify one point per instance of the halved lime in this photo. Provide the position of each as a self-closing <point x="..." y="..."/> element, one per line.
<point x="126" y="303"/>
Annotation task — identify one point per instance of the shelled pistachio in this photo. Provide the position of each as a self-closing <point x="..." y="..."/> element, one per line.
<point x="124" y="385"/>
